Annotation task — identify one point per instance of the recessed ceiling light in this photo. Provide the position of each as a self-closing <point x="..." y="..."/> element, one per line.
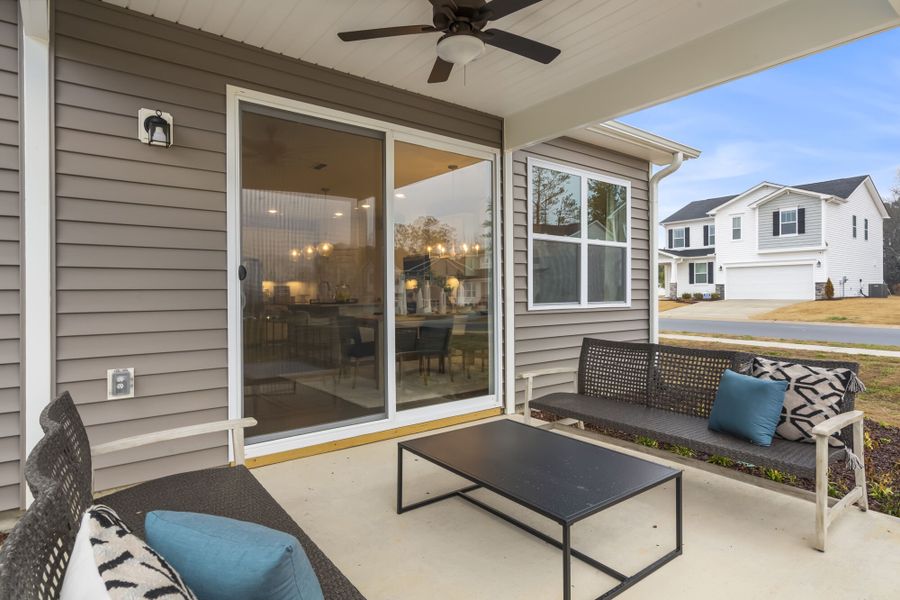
<point x="400" y="195"/>
<point x="273" y="211"/>
<point x="339" y="214"/>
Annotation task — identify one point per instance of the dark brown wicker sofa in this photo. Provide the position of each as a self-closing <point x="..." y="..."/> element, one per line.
<point x="667" y="392"/>
<point x="58" y="472"/>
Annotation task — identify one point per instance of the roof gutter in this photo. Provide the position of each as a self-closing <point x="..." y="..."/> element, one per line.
<point x="677" y="161"/>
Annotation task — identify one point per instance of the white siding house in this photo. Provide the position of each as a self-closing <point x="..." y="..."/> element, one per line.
<point x="780" y="242"/>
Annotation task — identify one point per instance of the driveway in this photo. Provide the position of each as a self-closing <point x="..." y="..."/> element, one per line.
<point x="725" y="310"/>
<point x="845" y="334"/>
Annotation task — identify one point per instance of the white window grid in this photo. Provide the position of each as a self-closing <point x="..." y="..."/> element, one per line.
<point x="788" y="218"/>
<point x="700" y="271"/>
<point x="582" y="240"/>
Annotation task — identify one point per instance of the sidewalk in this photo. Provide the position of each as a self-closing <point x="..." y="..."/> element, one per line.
<point x="785" y="345"/>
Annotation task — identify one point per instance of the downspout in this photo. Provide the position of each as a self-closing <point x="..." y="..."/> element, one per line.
<point x="677" y="160"/>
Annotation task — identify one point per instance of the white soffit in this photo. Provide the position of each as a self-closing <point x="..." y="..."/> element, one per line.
<point x="617" y="55"/>
<point x="633" y="141"/>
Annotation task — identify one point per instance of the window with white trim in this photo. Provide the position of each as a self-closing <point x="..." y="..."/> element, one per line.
<point x="579" y="238"/>
<point x="736" y="227"/>
<point x="700" y="274"/>
<point x="711" y="236"/>
<point x="788" y="221"/>
<point x="678" y="237"/>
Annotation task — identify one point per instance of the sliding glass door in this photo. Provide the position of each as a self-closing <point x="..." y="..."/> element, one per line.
<point x="367" y="291"/>
<point x="312" y="269"/>
<point x="443" y="266"/>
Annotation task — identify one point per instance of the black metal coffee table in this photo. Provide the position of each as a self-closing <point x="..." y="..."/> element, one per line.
<point x="559" y="477"/>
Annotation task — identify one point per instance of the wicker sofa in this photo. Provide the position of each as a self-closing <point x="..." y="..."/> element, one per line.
<point x="667" y="392"/>
<point x="58" y="471"/>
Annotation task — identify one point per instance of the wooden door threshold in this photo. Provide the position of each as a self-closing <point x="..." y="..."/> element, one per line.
<point x="369" y="438"/>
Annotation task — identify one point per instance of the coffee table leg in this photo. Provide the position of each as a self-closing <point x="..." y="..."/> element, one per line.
<point x="567" y="563"/>
<point x="678" y="514"/>
<point x="399" y="479"/>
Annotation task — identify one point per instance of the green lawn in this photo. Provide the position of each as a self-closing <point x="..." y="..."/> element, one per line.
<point x="880" y="402"/>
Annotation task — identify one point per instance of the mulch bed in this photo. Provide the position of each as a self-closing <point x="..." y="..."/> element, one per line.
<point x="882" y="457"/>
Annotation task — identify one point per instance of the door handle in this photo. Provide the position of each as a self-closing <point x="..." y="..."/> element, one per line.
<point x="242" y="273"/>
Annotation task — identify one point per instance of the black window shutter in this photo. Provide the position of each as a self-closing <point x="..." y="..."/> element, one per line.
<point x="776" y="223"/>
<point x="801" y="220"/>
<point x="687" y="237"/>
<point x="706" y="235"/>
<point x="671" y="238"/>
<point x="709" y="273"/>
<point x="691" y="273"/>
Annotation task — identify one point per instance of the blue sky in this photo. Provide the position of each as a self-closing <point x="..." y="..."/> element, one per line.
<point x="830" y="115"/>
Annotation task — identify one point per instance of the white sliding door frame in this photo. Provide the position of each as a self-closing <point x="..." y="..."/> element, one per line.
<point x="393" y="418"/>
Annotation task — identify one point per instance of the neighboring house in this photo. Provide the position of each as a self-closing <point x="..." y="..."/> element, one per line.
<point x="777" y="242"/>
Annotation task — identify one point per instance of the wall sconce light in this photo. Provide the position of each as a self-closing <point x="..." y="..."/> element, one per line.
<point x="720" y="268"/>
<point x="818" y="264"/>
<point x="411" y="284"/>
<point x="155" y="127"/>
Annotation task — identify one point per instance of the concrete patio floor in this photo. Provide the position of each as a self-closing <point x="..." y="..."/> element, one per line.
<point x="740" y="541"/>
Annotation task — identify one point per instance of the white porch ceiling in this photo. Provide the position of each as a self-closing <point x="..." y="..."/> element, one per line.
<point x="596" y="37"/>
<point x="599" y="39"/>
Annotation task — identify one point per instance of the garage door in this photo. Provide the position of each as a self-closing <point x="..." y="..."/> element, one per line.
<point x="793" y="282"/>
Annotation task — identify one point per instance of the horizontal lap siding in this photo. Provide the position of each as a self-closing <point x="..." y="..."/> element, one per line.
<point x="141" y="232"/>
<point x="10" y="397"/>
<point x="553" y="338"/>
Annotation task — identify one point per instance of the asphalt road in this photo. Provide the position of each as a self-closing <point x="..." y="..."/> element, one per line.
<point x="848" y="334"/>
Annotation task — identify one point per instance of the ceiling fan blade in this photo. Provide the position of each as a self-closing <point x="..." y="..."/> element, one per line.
<point x="440" y="72"/>
<point x="501" y="8"/>
<point x="371" y="34"/>
<point x="517" y="44"/>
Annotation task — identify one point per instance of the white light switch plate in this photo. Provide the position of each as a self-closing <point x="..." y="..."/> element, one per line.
<point x="120" y="383"/>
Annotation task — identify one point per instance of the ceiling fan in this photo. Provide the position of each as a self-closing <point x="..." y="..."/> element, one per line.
<point x="462" y="22"/>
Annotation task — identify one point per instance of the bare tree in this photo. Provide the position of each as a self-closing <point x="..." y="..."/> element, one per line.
<point x="892" y="236"/>
<point x="553" y="205"/>
<point x="417" y="236"/>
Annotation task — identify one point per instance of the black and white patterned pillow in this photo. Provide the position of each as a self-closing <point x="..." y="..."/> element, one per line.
<point x="814" y="394"/>
<point x="108" y="561"/>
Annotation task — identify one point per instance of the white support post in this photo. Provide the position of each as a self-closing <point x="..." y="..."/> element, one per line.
<point x="509" y="294"/>
<point x="37" y="241"/>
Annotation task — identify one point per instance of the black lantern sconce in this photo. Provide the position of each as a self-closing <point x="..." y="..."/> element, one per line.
<point x="155" y="127"/>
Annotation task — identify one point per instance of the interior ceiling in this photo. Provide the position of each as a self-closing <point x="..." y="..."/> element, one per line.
<point x="597" y="37"/>
<point x="284" y="155"/>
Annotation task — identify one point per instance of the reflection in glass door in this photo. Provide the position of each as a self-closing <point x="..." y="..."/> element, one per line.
<point x="312" y="279"/>
<point x="443" y="276"/>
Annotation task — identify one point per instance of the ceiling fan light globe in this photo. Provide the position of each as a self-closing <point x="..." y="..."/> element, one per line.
<point x="460" y="49"/>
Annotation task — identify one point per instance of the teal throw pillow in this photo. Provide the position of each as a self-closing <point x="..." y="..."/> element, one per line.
<point x="747" y="407"/>
<point x="226" y="559"/>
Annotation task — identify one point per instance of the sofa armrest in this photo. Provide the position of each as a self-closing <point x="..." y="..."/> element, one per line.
<point x="235" y="426"/>
<point x="836" y="423"/>
<point x="529" y="383"/>
<point x="553" y="371"/>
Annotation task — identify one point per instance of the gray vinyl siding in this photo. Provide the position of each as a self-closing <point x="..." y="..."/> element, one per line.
<point x="813" y="235"/>
<point x="141" y="232"/>
<point x="10" y="282"/>
<point x="553" y="338"/>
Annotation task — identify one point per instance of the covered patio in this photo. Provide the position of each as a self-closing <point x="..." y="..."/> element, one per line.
<point x="741" y="540"/>
<point x="240" y="236"/>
